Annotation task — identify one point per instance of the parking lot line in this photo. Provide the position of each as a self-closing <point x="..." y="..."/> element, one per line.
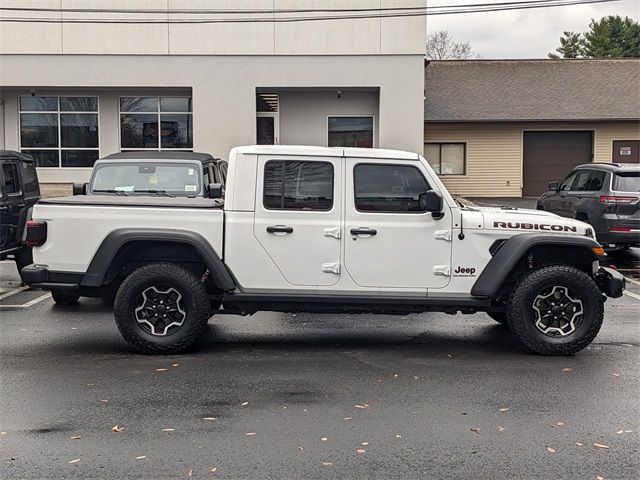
<point x="632" y="295"/>
<point x="33" y="302"/>
<point x="631" y="280"/>
<point x="13" y="292"/>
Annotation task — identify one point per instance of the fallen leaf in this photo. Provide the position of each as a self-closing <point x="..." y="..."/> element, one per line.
<point x="560" y="424"/>
<point x="361" y="450"/>
<point x="324" y="439"/>
<point x="616" y="374"/>
<point x="398" y="436"/>
<point x="168" y="429"/>
<point x="244" y="404"/>
<point x="415" y="377"/>
<point x="620" y="432"/>
<point x="209" y="418"/>
<point x="104" y="401"/>
<point x="250" y="433"/>
<point x="175" y="364"/>
<point x="74" y="461"/>
<point x="449" y="355"/>
<point x="579" y="444"/>
<point x="567" y="369"/>
<point x="75" y="438"/>
<point x="476" y="429"/>
<point x="117" y="429"/>
<point x="214" y="469"/>
<point x="366" y="405"/>
<point x="364" y="444"/>
<point x="600" y="445"/>
<point x="3" y="433"/>
<point x="551" y="450"/>
<point x="504" y="409"/>
<point x="628" y="431"/>
<point x="500" y="429"/>
<point x="161" y="369"/>
<point x="301" y="449"/>
<point x="305" y="410"/>
<point x="327" y="464"/>
<point x="141" y="457"/>
<point x="598" y="477"/>
<point x="348" y="418"/>
<point x="190" y="473"/>
<point x="395" y="375"/>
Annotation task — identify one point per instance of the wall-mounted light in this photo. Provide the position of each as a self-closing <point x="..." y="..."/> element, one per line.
<point x="339" y="94"/>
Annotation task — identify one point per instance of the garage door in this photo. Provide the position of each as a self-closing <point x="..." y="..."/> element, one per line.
<point x="550" y="156"/>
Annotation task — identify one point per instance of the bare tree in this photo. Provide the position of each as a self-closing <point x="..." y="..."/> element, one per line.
<point x="441" y="46"/>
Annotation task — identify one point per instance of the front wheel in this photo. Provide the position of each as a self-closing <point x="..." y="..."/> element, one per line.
<point x="161" y="308"/>
<point x="556" y="310"/>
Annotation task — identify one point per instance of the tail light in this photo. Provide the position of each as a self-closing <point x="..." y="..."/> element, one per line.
<point x="36" y="233"/>
<point x="620" y="229"/>
<point x="617" y="200"/>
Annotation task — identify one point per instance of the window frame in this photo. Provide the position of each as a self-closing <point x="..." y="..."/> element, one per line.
<point x="158" y="114"/>
<point x="59" y="112"/>
<point x="464" y="158"/>
<point x="17" y="176"/>
<point x="346" y="115"/>
<point x="284" y="161"/>
<point x="393" y="212"/>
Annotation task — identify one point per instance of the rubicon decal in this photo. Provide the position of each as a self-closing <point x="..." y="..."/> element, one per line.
<point x="535" y="226"/>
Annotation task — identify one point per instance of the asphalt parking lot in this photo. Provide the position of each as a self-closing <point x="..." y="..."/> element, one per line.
<point x="314" y="396"/>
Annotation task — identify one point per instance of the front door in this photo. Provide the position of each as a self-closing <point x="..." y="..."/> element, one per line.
<point x="390" y="242"/>
<point x="297" y="217"/>
<point x="12" y="204"/>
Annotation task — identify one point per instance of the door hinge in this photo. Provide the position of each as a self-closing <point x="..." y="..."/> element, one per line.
<point x="332" y="232"/>
<point x="442" y="235"/>
<point x="331" y="268"/>
<point x="444" y="270"/>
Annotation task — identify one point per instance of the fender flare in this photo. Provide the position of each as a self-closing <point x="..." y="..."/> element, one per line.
<point x="115" y="240"/>
<point x="512" y="250"/>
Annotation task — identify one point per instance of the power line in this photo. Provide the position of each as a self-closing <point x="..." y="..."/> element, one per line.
<point x="375" y="13"/>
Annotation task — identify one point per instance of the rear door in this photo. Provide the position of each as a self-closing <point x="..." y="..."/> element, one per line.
<point x="298" y="217"/>
<point x="390" y="242"/>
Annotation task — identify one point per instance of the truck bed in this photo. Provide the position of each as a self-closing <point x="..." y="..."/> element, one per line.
<point x="75" y="232"/>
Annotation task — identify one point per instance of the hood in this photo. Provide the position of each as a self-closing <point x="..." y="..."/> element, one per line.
<point x="525" y="220"/>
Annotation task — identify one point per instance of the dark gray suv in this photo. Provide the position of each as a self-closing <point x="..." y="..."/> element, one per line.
<point x="605" y="195"/>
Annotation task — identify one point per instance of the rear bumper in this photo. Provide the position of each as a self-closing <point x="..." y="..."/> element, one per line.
<point x="611" y="282"/>
<point x="40" y="277"/>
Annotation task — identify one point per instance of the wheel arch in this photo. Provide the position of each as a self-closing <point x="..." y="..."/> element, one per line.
<point x="546" y="249"/>
<point x="119" y="243"/>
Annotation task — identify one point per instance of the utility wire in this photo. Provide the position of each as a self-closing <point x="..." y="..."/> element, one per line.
<point x="374" y="13"/>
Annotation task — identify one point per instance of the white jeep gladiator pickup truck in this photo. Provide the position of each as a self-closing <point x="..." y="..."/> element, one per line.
<point x="321" y="230"/>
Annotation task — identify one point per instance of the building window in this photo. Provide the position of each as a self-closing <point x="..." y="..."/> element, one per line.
<point x="354" y="131"/>
<point x="292" y="185"/>
<point x="447" y="158"/>
<point x="156" y="123"/>
<point x="59" y="131"/>
<point x="388" y="188"/>
<point x="267" y="119"/>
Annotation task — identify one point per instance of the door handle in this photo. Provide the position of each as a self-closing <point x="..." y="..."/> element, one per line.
<point x="363" y="231"/>
<point x="279" y="229"/>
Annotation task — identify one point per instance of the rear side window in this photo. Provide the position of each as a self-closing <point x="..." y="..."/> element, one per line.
<point x="10" y="178"/>
<point x="626" y="182"/>
<point x="293" y="185"/>
<point x="589" y="181"/>
<point x="29" y="178"/>
<point x="388" y="188"/>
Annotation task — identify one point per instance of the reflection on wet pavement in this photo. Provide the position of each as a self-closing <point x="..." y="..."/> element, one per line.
<point x="627" y="261"/>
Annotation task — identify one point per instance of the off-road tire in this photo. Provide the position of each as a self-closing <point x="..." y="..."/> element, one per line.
<point x="500" y="317"/>
<point x="62" y="297"/>
<point x="196" y="305"/>
<point x="521" y="316"/>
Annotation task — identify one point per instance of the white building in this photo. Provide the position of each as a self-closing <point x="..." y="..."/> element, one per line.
<point x="73" y="92"/>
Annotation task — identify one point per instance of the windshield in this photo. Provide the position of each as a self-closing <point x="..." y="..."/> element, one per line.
<point x="148" y="177"/>
<point x="626" y="182"/>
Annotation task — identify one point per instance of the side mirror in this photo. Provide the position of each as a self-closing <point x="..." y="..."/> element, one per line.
<point x="79" y="188"/>
<point x="431" y="201"/>
<point x="554" y="186"/>
<point x="215" y="190"/>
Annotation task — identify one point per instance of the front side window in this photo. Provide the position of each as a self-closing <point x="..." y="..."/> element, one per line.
<point x="156" y="123"/>
<point x="388" y="188"/>
<point x="10" y="178"/>
<point x="59" y="131"/>
<point x="446" y="158"/>
<point x="293" y="185"/>
<point x="568" y="182"/>
<point x="350" y="132"/>
<point x="148" y="177"/>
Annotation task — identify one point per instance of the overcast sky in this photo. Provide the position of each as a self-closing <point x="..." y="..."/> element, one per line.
<point x="523" y="33"/>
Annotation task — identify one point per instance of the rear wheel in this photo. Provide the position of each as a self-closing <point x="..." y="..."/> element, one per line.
<point x="556" y="310"/>
<point x="161" y="308"/>
<point x="62" y="297"/>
